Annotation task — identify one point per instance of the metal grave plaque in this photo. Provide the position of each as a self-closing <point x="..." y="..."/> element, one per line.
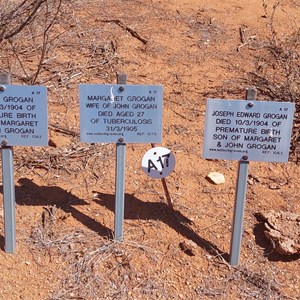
<point x="111" y="113"/>
<point x="248" y="130"/>
<point x="23" y="115"/>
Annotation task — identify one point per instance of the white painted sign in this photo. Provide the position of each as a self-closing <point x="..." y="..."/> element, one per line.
<point x="127" y="113"/>
<point x="23" y="115"/>
<point x="248" y="130"/>
<point x="158" y="162"/>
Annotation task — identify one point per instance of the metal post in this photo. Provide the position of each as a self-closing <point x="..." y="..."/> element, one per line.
<point x="240" y="199"/>
<point x="120" y="178"/>
<point x="164" y="183"/>
<point x="8" y="187"/>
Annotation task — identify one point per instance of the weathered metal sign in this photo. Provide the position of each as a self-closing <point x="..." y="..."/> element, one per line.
<point x="23" y="115"/>
<point x="248" y="130"/>
<point x="110" y="113"/>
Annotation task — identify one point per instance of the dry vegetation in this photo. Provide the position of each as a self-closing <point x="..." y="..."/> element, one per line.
<point x="60" y="44"/>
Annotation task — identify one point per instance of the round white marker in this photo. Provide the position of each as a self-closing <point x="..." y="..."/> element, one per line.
<point x="158" y="162"/>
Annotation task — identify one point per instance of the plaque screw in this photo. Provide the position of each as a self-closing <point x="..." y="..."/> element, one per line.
<point x="245" y="157"/>
<point x="250" y="104"/>
<point x="2" y="88"/>
<point x="120" y="140"/>
<point x="4" y="143"/>
<point x="121" y="88"/>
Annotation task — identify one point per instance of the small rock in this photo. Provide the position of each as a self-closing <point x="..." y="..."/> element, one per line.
<point x="59" y="141"/>
<point x="283" y="229"/>
<point x="254" y="178"/>
<point x="250" y="181"/>
<point x="189" y="247"/>
<point x="216" y="178"/>
<point x="274" y="186"/>
<point x="96" y="196"/>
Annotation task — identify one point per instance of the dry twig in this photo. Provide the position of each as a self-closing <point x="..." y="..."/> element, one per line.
<point x="127" y="28"/>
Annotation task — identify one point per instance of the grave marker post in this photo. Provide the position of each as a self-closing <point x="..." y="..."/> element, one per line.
<point x="8" y="185"/>
<point x="120" y="113"/>
<point x="120" y="178"/>
<point x="246" y="131"/>
<point x="164" y="184"/>
<point x="240" y="198"/>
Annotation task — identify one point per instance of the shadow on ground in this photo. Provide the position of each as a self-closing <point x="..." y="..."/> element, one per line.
<point x="2" y="242"/>
<point x="28" y="193"/>
<point x="136" y="209"/>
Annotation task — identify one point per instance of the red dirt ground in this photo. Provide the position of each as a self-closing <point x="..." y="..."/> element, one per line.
<point x="191" y="48"/>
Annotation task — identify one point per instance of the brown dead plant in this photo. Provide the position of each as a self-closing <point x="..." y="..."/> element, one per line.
<point x="16" y="15"/>
<point x="277" y="74"/>
<point x="243" y="282"/>
<point x="93" y="267"/>
<point x="26" y="29"/>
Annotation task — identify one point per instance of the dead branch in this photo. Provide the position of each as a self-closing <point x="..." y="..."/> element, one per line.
<point x="127" y="28"/>
<point x="63" y="130"/>
<point x="29" y="10"/>
<point x="245" y="40"/>
<point x="48" y="24"/>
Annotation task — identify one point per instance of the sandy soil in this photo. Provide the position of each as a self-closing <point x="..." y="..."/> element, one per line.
<point x="65" y="192"/>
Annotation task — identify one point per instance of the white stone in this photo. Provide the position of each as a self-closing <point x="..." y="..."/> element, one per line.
<point x="216" y="177"/>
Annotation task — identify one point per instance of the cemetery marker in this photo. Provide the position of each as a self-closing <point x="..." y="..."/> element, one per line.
<point x="120" y="178"/>
<point x="120" y="114"/>
<point x="240" y="200"/>
<point x="8" y="185"/>
<point x="164" y="184"/>
<point x="158" y="162"/>
<point x="23" y="122"/>
<point x="244" y="131"/>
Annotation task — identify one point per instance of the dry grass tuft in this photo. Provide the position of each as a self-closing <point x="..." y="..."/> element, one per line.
<point x="278" y="77"/>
